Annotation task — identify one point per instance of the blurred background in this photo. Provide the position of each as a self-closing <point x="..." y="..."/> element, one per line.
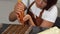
<point x="58" y="5"/>
<point x="6" y="7"/>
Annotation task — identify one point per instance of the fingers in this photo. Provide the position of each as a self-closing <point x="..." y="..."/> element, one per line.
<point x="19" y="7"/>
<point x="20" y="16"/>
<point x="27" y="17"/>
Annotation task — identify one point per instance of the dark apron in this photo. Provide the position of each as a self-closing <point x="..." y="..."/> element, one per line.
<point x="38" y="20"/>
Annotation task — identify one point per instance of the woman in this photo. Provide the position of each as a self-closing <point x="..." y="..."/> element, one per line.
<point x="48" y="17"/>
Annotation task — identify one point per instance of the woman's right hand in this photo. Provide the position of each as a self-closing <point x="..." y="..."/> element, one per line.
<point x="19" y="9"/>
<point x="20" y="15"/>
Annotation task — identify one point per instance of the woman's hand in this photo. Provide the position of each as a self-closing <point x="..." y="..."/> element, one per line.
<point x="19" y="7"/>
<point x="28" y="17"/>
<point x="20" y="15"/>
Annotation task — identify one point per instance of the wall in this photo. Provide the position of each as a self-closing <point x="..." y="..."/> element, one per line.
<point x="6" y="6"/>
<point x="58" y="5"/>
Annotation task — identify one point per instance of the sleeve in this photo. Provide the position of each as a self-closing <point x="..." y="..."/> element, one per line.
<point x="25" y="2"/>
<point x="51" y="15"/>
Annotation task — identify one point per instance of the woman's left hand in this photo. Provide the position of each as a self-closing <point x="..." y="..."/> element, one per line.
<point x="27" y="17"/>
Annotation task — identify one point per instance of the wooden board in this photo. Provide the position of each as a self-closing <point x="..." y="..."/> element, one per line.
<point x="17" y="29"/>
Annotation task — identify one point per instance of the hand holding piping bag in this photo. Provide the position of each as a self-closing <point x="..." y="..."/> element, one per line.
<point x="19" y="9"/>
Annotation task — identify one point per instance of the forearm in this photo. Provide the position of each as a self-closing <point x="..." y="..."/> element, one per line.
<point x="46" y="24"/>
